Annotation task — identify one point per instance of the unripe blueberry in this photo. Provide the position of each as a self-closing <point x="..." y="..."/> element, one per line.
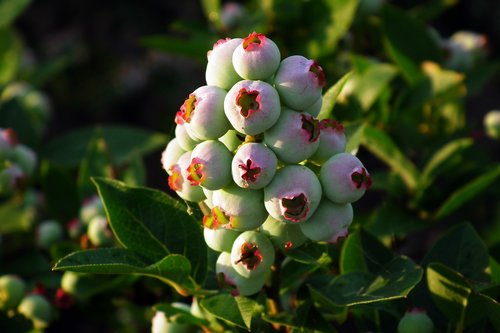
<point x="284" y="236"/>
<point x="178" y="180"/>
<point x="70" y="282"/>
<point x="333" y="141"/>
<point x="12" y="290"/>
<point x="415" y="321"/>
<point x="203" y="113"/>
<point x="208" y="194"/>
<point x="184" y="140"/>
<point x="232" y="140"/>
<point x="162" y="324"/>
<point x="241" y="209"/>
<point x="11" y="179"/>
<point x="492" y="124"/>
<point x="344" y="178"/>
<point x="293" y="195"/>
<point x="252" y="254"/>
<point x="253" y="166"/>
<point x="256" y="58"/>
<point x="91" y="207"/>
<point x="210" y="165"/>
<point x="99" y="232"/>
<point x="171" y="154"/>
<point x="227" y="275"/>
<point x="294" y="137"/>
<point x="37" y="309"/>
<point x="252" y="106"/>
<point x="49" y="232"/>
<point x="315" y="108"/>
<point x="220" y="239"/>
<point x="299" y="82"/>
<point x="329" y="222"/>
<point x="220" y="70"/>
<point x="25" y="158"/>
<point x="8" y="140"/>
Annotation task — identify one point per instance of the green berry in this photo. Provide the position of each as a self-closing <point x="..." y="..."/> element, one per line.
<point x="37" y="309"/>
<point x="12" y="290"/>
<point x="252" y="254"/>
<point x="415" y="321"/>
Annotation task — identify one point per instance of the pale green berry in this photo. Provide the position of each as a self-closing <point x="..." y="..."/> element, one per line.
<point x="492" y="124"/>
<point x="295" y="136"/>
<point x="256" y="58"/>
<point x="178" y="180"/>
<point x="184" y="140"/>
<point x="171" y="154"/>
<point x="252" y="107"/>
<point x="415" y="321"/>
<point x="240" y="285"/>
<point x="11" y="179"/>
<point x="344" y="178"/>
<point x="48" y="233"/>
<point x="163" y="324"/>
<point x="220" y="70"/>
<point x="91" y="207"/>
<point x="12" y="290"/>
<point x="252" y="254"/>
<point x="210" y="165"/>
<point x="232" y="140"/>
<point x="240" y="209"/>
<point x="25" y="157"/>
<point x="285" y="236"/>
<point x="253" y="166"/>
<point x="333" y="141"/>
<point x="293" y="195"/>
<point x="220" y="239"/>
<point x="99" y="232"/>
<point x="329" y="223"/>
<point x="37" y="309"/>
<point x="315" y="108"/>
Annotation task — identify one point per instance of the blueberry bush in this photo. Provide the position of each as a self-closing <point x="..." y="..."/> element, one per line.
<point x="313" y="166"/>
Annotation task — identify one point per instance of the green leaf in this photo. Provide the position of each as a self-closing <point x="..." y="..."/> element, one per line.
<point x="152" y="224"/>
<point x="180" y="315"/>
<point x="234" y="310"/>
<point x="173" y="269"/>
<point x="340" y="19"/>
<point x="10" y="54"/>
<point x="371" y="83"/>
<point x="394" y="281"/>
<point x="408" y="53"/>
<point x="59" y="186"/>
<point x="211" y="9"/>
<point x="10" y="9"/>
<point x="331" y="95"/>
<point x="194" y="48"/>
<point x="450" y="292"/>
<point x="134" y="172"/>
<point x="361" y="252"/>
<point x="354" y="133"/>
<point x="461" y="249"/>
<point x="382" y="146"/>
<point x="124" y="142"/>
<point x="431" y="9"/>
<point x="466" y="193"/>
<point x="96" y="163"/>
<point x="310" y="253"/>
<point x="442" y="159"/>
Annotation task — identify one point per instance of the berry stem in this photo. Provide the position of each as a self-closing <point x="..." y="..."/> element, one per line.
<point x="204" y="208"/>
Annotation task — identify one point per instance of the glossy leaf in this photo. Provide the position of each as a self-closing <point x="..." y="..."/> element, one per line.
<point x="331" y="95"/>
<point x="467" y="192"/>
<point x="234" y="310"/>
<point x="362" y="252"/>
<point x="394" y="281"/>
<point x="152" y="224"/>
<point x="10" y="9"/>
<point x="382" y="146"/>
<point x="173" y="269"/>
<point x="124" y="142"/>
<point x="461" y="249"/>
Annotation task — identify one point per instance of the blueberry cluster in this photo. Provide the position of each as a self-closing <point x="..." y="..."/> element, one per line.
<point x="246" y="145"/>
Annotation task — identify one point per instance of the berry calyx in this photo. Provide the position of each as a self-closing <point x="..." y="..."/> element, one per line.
<point x="250" y="256"/>
<point x="295" y="208"/>
<point x="248" y="102"/>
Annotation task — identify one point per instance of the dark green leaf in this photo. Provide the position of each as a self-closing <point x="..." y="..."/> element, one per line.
<point x="467" y="192"/>
<point x="192" y="48"/>
<point x="134" y="172"/>
<point x="382" y="146"/>
<point x="178" y="315"/>
<point x="390" y="220"/>
<point x="330" y="97"/>
<point x="408" y="53"/>
<point x="10" y="9"/>
<point x="354" y="133"/>
<point x="431" y="9"/>
<point x="461" y="249"/>
<point x="234" y="310"/>
<point x="362" y="252"/>
<point x="10" y="54"/>
<point x="173" y="269"/>
<point x="124" y="142"/>
<point x="394" y="281"/>
<point x="59" y="186"/>
<point x="310" y="253"/>
<point x="152" y="224"/>
<point x="450" y="292"/>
